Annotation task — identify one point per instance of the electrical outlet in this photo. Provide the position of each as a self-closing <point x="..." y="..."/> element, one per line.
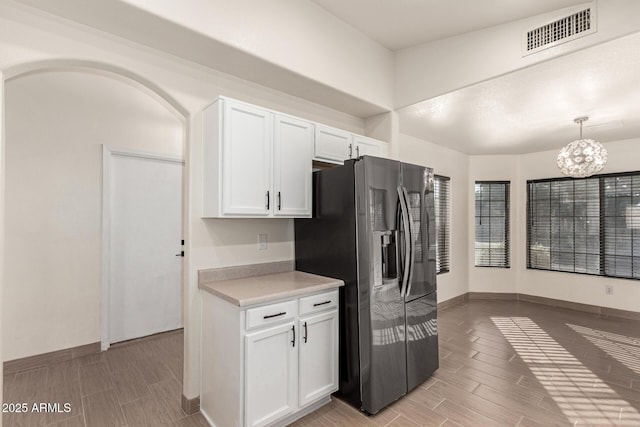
<point x="263" y="242"/>
<point x="608" y="289"/>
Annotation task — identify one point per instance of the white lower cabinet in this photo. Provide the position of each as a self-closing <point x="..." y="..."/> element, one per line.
<point x="271" y="364"/>
<point x="319" y="344"/>
<point x="270" y="374"/>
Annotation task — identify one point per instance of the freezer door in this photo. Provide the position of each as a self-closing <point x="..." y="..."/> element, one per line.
<point x="380" y="306"/>
<point x="417" y="182"/>
<point x="422" y="339"/>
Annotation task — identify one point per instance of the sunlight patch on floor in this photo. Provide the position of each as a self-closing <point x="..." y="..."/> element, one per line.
<point x="624" y="349"/>
<point x="579" y="393"/>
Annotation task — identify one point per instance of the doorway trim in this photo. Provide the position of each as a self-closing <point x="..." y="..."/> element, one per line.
<point x="108" y="151"/>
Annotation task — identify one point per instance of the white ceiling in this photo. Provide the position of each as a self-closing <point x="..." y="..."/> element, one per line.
<point x="397" y="24"/>
<point x="525" y="111"/>
<point x="533" y="109"/>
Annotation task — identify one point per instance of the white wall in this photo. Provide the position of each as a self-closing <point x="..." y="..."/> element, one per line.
<point x="385" y="127"/>
<point x="56" y="123"/>
<point x="584" y="289"/>
<point x="464" y="276"/>
<point x="27" y="38"/>
<point x="297" y="35"/>
<point x="623" y="157"/>
<point x="431" y="69"/>
<point x="453" y="164"/>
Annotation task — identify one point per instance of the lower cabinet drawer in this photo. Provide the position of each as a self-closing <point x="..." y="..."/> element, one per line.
<point x="271" y="314"/>
<point x="318" y="303"/>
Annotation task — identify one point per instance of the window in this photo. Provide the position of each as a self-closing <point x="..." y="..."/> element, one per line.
<point x="621" y="220"/>
<point x="442" y="208"/>
<point x="492" y="224"/>
<point x="589" y="225"/>
<point x="564" y="230"/>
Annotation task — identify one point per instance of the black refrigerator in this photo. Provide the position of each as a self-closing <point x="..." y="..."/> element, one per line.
<point x="373" y="226"/>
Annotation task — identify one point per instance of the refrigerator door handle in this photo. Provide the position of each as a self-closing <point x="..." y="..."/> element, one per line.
<point x="411" y="240"/>
<point x="407" y="241"/>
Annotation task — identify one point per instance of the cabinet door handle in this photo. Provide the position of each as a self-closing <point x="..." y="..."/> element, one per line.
<point x="270" y="316"/>
<point x="305" y="332"/>
<point x="279" y="201"/>
<point x="322" y="303"/>
<point x="350" y="150"/>
<point x="293" y="340"/>
<point x="357" y="151"/>
<point x="267" y="199"/>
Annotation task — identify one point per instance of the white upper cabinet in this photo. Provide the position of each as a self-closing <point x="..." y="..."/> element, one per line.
<point x="246" y="165"/>
<point x="364" y="146"/>
<point x="293" y="150"/>
<point x="257" y="163"/>
<point x="335" y="145"/>
<point x="332" y="145"/>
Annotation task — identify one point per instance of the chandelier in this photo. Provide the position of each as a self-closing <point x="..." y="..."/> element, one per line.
<point x="583" y="157"/>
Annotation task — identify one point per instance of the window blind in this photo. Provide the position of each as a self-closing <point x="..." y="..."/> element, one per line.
<point x="621" y="220"/>
<point x="589" y="225"/>
<point x="442" y="207"/>
<point x="492" y="224"/>
<point x="564" y="225"/>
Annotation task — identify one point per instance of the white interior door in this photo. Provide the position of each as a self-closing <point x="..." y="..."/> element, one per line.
<point x="145" y="209"/>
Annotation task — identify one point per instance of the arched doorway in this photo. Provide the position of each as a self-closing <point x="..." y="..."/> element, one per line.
<point x="58" y="116"/>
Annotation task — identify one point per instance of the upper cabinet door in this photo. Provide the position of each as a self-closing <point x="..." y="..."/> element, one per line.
<point x="293" y="150"/>
<point x="363" y="146"/>
<point x="332" y="145"/>
<point x="246" y="166"/>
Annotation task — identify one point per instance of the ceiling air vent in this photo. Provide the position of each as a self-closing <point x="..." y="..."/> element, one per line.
<point x="578" y="24"/>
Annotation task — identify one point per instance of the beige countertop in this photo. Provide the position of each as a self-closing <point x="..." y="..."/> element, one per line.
<point x="270" y="287"/>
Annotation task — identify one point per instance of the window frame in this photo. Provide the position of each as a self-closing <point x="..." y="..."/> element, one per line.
<point x="507" y="224"/>
<point x="602" y="225"/>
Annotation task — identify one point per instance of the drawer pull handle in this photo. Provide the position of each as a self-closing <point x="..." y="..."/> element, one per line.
<point x="274" y="315"/>
<point x="322" y="303"/>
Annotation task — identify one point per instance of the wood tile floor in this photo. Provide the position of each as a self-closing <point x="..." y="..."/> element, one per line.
<point x="501" y="363"/>
<point x="504" y="363"/>
<point x="137" y="383"/>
